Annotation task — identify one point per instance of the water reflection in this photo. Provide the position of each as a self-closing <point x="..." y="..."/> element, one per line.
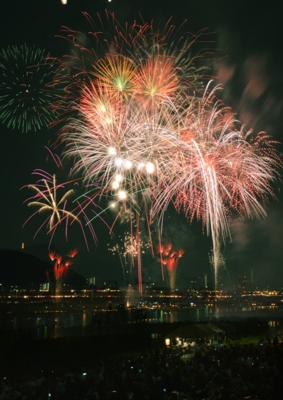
<point x="53" y="324"/>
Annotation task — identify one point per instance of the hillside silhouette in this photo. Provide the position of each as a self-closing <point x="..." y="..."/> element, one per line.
<point x="21" y="269"/>
<point x="100" y="263"/>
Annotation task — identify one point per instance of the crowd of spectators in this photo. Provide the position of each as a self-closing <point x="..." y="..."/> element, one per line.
<point x="252" y="371"/>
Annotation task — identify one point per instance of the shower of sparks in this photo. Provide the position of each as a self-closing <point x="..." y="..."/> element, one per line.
<point x="143" y="124"/>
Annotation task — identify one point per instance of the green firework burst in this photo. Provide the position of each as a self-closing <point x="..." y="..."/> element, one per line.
<point x="27" y="88"/>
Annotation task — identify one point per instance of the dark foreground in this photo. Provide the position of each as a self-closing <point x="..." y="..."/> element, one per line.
<point x="134" y="363"/>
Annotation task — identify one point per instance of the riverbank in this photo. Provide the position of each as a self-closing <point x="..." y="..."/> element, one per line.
<point x="23" y="352"/>
<point x="133" y="362"/>
<point x="22" y="355"/>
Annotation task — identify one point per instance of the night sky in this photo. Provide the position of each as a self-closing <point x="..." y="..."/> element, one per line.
<point x="246" y="41"/>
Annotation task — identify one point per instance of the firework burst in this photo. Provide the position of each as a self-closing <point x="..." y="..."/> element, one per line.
<point x="148" y="131"/>
<point x="45" y="199"/>
<point x="59" y="210"/>
<point x="61" y="267"/>
<point x="169" y="258"/>
<point x="130" y="247"/>
<point x="220" y="169"/>
<point x="116" y="74"/>
<point x="157" y="144"/>
<point x="26" y="88"/>
<point x="125" y="59"/>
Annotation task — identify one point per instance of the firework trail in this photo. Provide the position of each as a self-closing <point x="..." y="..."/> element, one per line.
<point x="219" y="262"/>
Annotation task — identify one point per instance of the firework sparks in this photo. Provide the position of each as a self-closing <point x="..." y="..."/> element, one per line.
<point x="147" y="132"/>
<point x="129" y="247"/>
<point x="197" y="159"/>
<point x="70" y="208"/>
<point x="26" y="88"/>
<point x="116" y="74"/>
<point x="46" y="201"/>
<point x="220" y="169"/>
<point x="61" y="267"/>
<point x="170" y="258"/>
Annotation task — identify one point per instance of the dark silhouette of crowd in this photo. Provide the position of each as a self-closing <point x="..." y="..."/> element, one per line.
<point x="252" y="371"/>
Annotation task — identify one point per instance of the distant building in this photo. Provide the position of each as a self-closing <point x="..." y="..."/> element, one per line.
<point x="44" y="287"/>
<point x="243" y="282"/>
<point x="110" y="285"/>
<point x="149" y="287"/>
<point x="196" y="282"/>
<point x="90" y="281"/>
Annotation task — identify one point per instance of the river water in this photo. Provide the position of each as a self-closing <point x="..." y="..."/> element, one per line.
<point x="53" y="324"/>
